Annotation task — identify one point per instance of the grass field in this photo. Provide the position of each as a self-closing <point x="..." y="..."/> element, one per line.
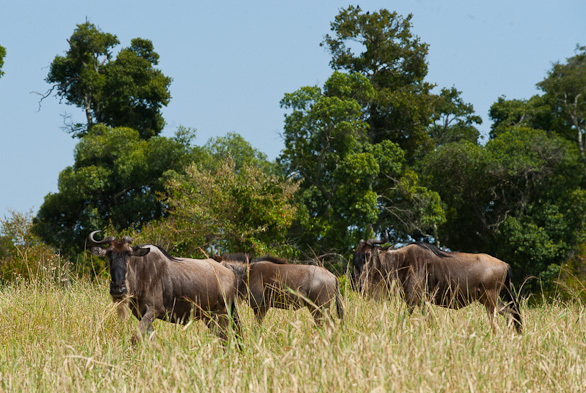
<point x="69" y="339"/>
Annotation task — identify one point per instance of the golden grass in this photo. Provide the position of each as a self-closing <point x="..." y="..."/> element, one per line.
<point x="69" y="339"/>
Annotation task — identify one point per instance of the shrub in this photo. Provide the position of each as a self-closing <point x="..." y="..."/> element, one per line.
<point x="23" y="256"/>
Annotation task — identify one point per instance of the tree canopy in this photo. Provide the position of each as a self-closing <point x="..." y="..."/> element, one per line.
<point x="453" y="120"/>
<point x="377" y="148"/>
<point x="565" y="92"/>
<point x="229" y="208"/>
<point x="350" y="187"/>
<point x="113" y="182"/>
<point x="561" y="109"/>
<point x="127" y="91"/>
<point x="380" y="46"/>
<point x="2" y="55"/>
<point x="518" y="198"/>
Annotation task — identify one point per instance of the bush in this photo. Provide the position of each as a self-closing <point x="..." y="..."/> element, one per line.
<point x="23" y="256"/>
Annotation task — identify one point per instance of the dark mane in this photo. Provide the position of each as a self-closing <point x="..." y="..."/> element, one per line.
<point x="164" y="252"/>
<point x="432" y="248"/>
<point x="241" y="257"/>
<point x="238" y="257"/>
<point x="270" y="258"/>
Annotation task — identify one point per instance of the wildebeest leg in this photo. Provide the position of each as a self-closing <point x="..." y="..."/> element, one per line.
<point x="414" y="293"/>
<point x="491" y="311"/>
<point x="259" y="313"/>
<point x="218" y="323"/>
<point x="317" y="313"/>
<point x="144" y="326"/>
<point x="223" y="327"/>
<point x="506" y="310"/>
<point x="490" y="303"/>
<point x="236" y="321"/>
<point x="217" y="326"/>
<point x="410" y="309"/>
<point x="222" y="323"/>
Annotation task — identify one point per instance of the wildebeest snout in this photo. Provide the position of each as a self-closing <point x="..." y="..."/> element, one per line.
<point x="118" y="289"/>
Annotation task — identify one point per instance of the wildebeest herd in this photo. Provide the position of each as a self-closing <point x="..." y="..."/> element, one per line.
<point x="155" y="285"/>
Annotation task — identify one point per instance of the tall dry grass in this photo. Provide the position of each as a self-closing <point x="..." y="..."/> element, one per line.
<point x="68" y="338"/>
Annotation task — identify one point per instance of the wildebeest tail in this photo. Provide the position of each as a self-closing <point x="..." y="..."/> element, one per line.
<point x="236" y="323"/>
<point x="512" y="300"/>
<point x="339" y="306"/>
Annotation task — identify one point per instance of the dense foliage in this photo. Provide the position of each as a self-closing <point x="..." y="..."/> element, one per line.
<point x="565" y="92"/>
<point x="350" y="187"/>
<point x="394" y="61"/>
<point x="226" y="201"/>
<point x="225" y="209"/>
<point x="377" y="148"/>
<point x="113" y="182"/>
<point x="518" y="197"/>
<point x="127" y="91"/>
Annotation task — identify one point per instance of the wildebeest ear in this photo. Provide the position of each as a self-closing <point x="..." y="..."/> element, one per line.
<point x="138" y="251"/>
<point x="98" y="251"/>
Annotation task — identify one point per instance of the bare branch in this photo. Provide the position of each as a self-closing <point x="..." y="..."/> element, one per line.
<point x="44" y="95"/>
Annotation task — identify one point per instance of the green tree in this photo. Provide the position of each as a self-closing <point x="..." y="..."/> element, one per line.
<point x="229" y="200"/>
<point x="2" y="55"/>
<point x="518" y="198"/>
<point x="533" y="113"/>
<point x="323" y="135"/>
<point x="561" y="109"/>
<point x="127" y="91"/>
<point x="453" y="119"/>
<point x="228" y="209"/>
<point x="114" y="181"/>
<point x="237" y="149"/>
<point x="350" y="188"/>
<point x="565" y="92"/>
<point x="380" y="46"/>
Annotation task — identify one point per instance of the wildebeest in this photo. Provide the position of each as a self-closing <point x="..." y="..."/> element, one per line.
<point x="272" y="282"/>
<point x="156" y="285"/>
<point x="424" y="273"/>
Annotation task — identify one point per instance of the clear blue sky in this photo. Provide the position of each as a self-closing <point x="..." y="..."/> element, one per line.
<point x="232" y="62"/>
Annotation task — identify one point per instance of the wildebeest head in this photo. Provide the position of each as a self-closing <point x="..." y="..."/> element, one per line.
<point x="362" y="254"/>
<point x="118" y="252"/>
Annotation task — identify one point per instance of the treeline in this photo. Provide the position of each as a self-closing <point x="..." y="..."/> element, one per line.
<point x="377" y="148"/>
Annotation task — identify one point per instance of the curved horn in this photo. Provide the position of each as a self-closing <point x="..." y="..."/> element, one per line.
<point x="127" y="239"/>
<point x="374" y="242"/>
<point x="95" y="242"/>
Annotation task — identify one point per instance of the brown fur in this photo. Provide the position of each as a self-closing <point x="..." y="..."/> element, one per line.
<point x="423" y="273"/>
<point x="174" y="289"/>
<point x="287" y="286"/>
